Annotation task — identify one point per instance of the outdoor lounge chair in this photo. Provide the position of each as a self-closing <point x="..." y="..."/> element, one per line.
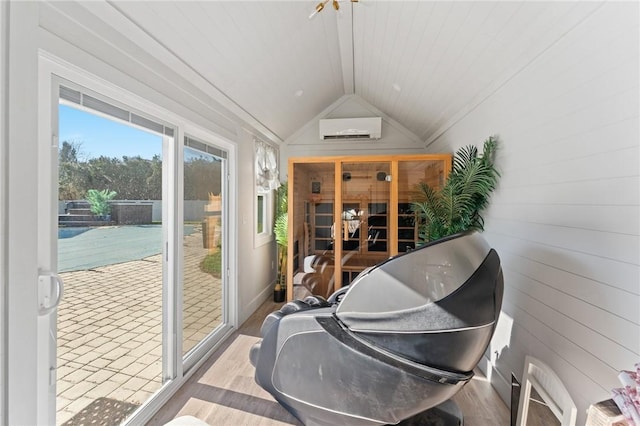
<point x="403" y="338"/>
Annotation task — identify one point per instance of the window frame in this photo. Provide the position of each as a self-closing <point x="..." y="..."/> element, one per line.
<point x="264" y="236"/>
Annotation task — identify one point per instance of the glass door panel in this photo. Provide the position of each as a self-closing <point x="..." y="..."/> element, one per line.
<point x="203" y="244"/>
<point x="110" y="257"/>
<point x="410" y="174"/>
<point x="364" y="224"/>
<point x="312" y="229"/>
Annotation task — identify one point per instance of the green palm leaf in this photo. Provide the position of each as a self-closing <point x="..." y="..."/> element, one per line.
<point x="280" y="229"/>
<point x="456" y="207"/>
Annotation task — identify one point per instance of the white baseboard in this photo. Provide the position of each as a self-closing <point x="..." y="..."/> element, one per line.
<point x="247" y="310"/>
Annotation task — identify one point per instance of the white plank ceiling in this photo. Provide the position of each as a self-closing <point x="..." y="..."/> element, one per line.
<point x="424" y="64"/>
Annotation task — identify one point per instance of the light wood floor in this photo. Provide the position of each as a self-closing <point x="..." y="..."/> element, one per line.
<point x="223" y="391"/>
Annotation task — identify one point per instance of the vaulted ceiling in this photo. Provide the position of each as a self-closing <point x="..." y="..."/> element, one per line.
<point x="424" y="64"/>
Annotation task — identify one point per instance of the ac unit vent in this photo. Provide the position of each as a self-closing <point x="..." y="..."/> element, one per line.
<point x="329" y="137"/>
<point x="350" y="128"/>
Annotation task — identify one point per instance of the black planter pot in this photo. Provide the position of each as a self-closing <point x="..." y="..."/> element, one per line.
<point x="278" y="295"/>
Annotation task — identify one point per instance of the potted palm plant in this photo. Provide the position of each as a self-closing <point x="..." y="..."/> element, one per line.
<point x="280" y="230"/>
<point x="99" y="202"/>
<point x="456" y="207"/>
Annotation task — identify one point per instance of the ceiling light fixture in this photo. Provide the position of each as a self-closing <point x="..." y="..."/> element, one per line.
<point x="320" y="6"/>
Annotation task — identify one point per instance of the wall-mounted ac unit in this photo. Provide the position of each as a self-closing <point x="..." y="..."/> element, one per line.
<point x="351" y="128"/>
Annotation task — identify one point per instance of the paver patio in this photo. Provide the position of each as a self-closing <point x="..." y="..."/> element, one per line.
<point x="110" y="328"/>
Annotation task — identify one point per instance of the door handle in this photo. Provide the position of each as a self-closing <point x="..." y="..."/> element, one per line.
<point x="50" y="291"/>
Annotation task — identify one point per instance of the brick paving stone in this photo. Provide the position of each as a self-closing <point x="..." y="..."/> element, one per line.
<point x="81" y="350"/>
<point x="120" y="377"/>
<point x="115" y="333"/>
<point x="62" y="416"/>
<point x="130" y="325"/>
<point x="100" y="376"/>
<point x="151" y="372"/>
<point x="63" y="370"/>
<point x="97" y="342"/>
<point x="102" y="389"/>
<point x="100" y="315"/>
<point x="63" y="385"/>
<point x="75" y="343"/>
<point x="124" y="319"/>
<point x="66" y="357"/>
<point x="135" y="383"/>
<point x="106" y="327"/>
<point x="151" y="386"/>
<point x="151" y="359"/>
<point x="108" y="346"/>
<point x="82" y="311"/>
<point x="73" y="365"/>
<point x="130" y="344"/>
<point x="146" y="348"/>
<point x="140" y="396"/>
<point x="133" y="368"/>
<point x="62" y="402"/>
<point x="76" y="392"/>
<point x="98" y="363"/>
<point x="121" y="394"/>
<point x="79" y="404"/>
<point x="122" y="362"/>
<point x="116" y="353"/>
<point x="126" y="337"/>
<point x="88" y="357"/>
<point x="77" y="376"/>
<point x="73" y="336"/>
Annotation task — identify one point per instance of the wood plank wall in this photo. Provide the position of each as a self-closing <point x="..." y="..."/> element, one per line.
<point x="565" y="218"/>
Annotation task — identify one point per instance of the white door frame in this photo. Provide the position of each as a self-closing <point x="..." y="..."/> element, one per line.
<point x="51" y="68"/>
<point x="4" y="35"/>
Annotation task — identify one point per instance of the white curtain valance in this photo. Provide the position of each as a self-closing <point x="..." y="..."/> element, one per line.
<point x="266" y="166"/>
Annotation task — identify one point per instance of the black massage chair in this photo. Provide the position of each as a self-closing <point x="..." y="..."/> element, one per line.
<point x="394" y="346"/>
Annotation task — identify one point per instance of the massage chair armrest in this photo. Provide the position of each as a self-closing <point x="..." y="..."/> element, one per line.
<point x="309" y="302"/>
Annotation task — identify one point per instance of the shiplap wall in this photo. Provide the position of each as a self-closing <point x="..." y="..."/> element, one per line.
<point x="566" y="218"/>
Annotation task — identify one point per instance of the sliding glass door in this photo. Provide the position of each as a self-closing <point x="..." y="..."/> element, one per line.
<point x="134" y="284"/>
<point x="110" y="258"/>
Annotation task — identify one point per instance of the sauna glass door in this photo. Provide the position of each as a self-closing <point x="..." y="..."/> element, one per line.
<point x="311" y="252"/>
<point x="364" y="216"/>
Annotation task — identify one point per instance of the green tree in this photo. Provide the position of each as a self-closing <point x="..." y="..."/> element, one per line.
<point x="73" y="173"/>
<point x="202" y="176"/>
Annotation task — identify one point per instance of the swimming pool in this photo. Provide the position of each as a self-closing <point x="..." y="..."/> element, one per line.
<point x="64" y="233"/>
